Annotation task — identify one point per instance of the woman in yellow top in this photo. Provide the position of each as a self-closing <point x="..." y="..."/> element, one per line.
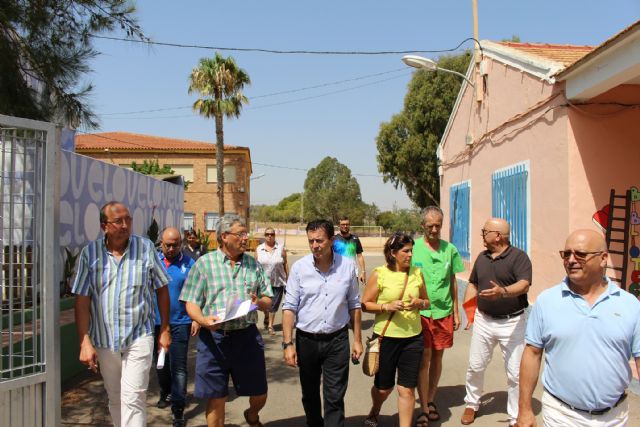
<point x="402" y="344"/>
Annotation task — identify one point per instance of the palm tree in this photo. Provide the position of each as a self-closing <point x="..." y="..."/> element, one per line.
<point x="219" y="81"/>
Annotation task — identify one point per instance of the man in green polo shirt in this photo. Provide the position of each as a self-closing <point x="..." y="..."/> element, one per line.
<point x="439" y="261"/>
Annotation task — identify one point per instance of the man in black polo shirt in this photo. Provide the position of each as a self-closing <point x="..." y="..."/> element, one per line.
<point x="500" y="278"/>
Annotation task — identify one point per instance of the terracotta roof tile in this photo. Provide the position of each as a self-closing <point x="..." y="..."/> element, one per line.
<point x="603" y="46"/>
<point x="562" y="53"/>
<point x="125" y="141"/>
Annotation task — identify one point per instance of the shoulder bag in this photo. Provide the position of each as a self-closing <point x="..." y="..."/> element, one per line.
<point x="371" y="362"/>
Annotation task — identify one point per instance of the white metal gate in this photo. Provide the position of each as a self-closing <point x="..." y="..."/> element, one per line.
<point x="29" y="290"/>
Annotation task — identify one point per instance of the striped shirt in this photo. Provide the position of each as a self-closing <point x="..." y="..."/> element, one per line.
<point x="122" y="308"/>
<point x="212" y="282"/>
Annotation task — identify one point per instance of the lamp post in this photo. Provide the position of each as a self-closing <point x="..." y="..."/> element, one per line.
<point x="423" y="63"/>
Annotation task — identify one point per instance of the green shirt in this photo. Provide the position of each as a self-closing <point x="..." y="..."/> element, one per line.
<point x="212" y="282"/>
<point x="437" y="268"/>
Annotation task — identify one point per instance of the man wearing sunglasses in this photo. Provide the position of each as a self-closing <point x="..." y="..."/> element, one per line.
<point x="500" y="279"/>
<point x="589" y="328"/>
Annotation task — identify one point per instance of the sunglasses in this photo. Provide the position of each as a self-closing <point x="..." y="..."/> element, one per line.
<point x="395" y="238"/>
<point x="580" y="256"/>
<point x="269" y="234"/>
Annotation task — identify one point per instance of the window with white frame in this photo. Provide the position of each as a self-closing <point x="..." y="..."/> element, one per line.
<point x="188" y="221"/>
<point x="211" y="220"/>
<point x="510" y="201"/>
<point x="229" y="174"/>
<point x="185" y="170"/>
<point x="460" y="217"/>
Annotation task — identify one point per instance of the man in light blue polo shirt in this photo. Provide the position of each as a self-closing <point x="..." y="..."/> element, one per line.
<point x="589" y="329"/>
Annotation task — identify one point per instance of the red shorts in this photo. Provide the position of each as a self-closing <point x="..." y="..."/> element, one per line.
<point x="437" y="334"/>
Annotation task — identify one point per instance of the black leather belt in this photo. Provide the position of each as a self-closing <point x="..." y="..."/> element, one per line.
<point x="586" y="411"/>
<point x="505" y="316"/>
<point x="321" y="337"/>
<point x="227" y="332"/>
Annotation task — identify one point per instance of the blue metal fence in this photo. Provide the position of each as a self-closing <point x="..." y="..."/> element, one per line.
<point x="509" y="201"/>
<point x="459" y="217"/>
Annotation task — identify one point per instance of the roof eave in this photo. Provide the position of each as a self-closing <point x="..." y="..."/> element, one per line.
<point x="611" y="64"/>
<point x="539" y="67"/>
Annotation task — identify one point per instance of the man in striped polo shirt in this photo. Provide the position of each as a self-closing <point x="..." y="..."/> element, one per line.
<point x="114" y="285"/>
<point x="234" y="346"/>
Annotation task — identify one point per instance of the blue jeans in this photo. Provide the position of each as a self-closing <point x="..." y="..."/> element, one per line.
<point x="172" y="378"/>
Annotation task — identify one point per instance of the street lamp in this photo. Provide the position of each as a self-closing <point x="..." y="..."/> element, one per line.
<point x="422" y="63"/>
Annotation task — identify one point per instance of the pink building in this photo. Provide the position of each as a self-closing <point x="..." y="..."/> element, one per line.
<point x="545" y="136"/>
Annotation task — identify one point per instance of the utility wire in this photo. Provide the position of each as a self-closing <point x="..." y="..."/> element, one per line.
<point x="291" y="101"/>
<point x="284" y="92"/>
<point x="282" y="52"/>
<point x="236" y="160"/>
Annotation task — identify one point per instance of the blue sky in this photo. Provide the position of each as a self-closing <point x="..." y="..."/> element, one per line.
<point x="299" y="133"/>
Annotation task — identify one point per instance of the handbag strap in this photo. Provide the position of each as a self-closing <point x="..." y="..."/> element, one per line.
<point x="404" y="288"/>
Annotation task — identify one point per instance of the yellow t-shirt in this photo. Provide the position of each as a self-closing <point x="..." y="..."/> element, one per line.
<point x="404" y="324"/>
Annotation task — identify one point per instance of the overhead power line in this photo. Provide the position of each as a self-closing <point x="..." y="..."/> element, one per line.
<point x="284" y="92"/>
<point x="237" y="160"/>
<point x="281" y="52"/>
<point x="291" y="101"/>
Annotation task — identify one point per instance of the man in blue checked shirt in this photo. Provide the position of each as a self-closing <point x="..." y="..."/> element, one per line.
<point x="322" y="298"/>
<point x="114" y="310"/>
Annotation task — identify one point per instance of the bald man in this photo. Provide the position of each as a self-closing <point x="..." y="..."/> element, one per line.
<point x="500" y="279"/>
<point x="589" y="329"/>
<point x="172" y="378"/>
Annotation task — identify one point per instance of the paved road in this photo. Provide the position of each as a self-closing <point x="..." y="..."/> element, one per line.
<point x="86" y="404"/>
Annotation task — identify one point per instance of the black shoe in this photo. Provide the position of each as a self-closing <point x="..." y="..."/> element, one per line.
<point x="179" y="422"/>
<point x="164" y="402"/>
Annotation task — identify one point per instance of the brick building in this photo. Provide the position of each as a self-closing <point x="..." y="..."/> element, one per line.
<point x="194" y="160"/>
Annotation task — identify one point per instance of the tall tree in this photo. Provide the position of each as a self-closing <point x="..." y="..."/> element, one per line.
<point x="219" y="81"/>
<point x="330" y="191"/>
<point x="45" y="47"/>
<point x="407" y="144"/>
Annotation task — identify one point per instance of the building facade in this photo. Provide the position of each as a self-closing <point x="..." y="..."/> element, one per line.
<point x="546" y="136"/>
<point x="195" y="161"/>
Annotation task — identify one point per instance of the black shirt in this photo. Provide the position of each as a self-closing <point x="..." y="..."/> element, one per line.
<point x="506" y="269"/>
<point x="196" y="253"/>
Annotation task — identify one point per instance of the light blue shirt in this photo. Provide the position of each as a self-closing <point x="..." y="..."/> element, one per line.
<point x="322" y="301"/>
<point x="587" y="349"/>
<point x="122" y="292"/>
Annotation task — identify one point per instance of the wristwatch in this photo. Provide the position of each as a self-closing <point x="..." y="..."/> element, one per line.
<point x="286" y="344"/>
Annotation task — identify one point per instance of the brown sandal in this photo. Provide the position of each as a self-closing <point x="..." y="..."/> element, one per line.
<point x="371" y="420"/>
<point x="422" y="420"/>
<point x="254" y="423"/>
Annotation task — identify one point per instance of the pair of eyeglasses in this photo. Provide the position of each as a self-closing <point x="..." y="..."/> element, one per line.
<point x="242" y="235"/>
<point x="269" y="234"/>
<point x="580" y="256"/>
<point x="120" y="221"/>
<point x="485" y="232"/>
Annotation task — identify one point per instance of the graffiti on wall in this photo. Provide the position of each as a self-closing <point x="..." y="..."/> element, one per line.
<point x="87" y="184"/>
<point x="601" y="218"/>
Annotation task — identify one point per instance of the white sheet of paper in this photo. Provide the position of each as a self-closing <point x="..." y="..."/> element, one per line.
<point x="233" y="311"/>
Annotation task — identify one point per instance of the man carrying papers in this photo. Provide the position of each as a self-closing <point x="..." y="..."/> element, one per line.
<point x="233" y="347"/>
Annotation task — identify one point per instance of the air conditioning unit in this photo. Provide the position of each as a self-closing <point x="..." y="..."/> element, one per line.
<point x="240" y="189"/>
